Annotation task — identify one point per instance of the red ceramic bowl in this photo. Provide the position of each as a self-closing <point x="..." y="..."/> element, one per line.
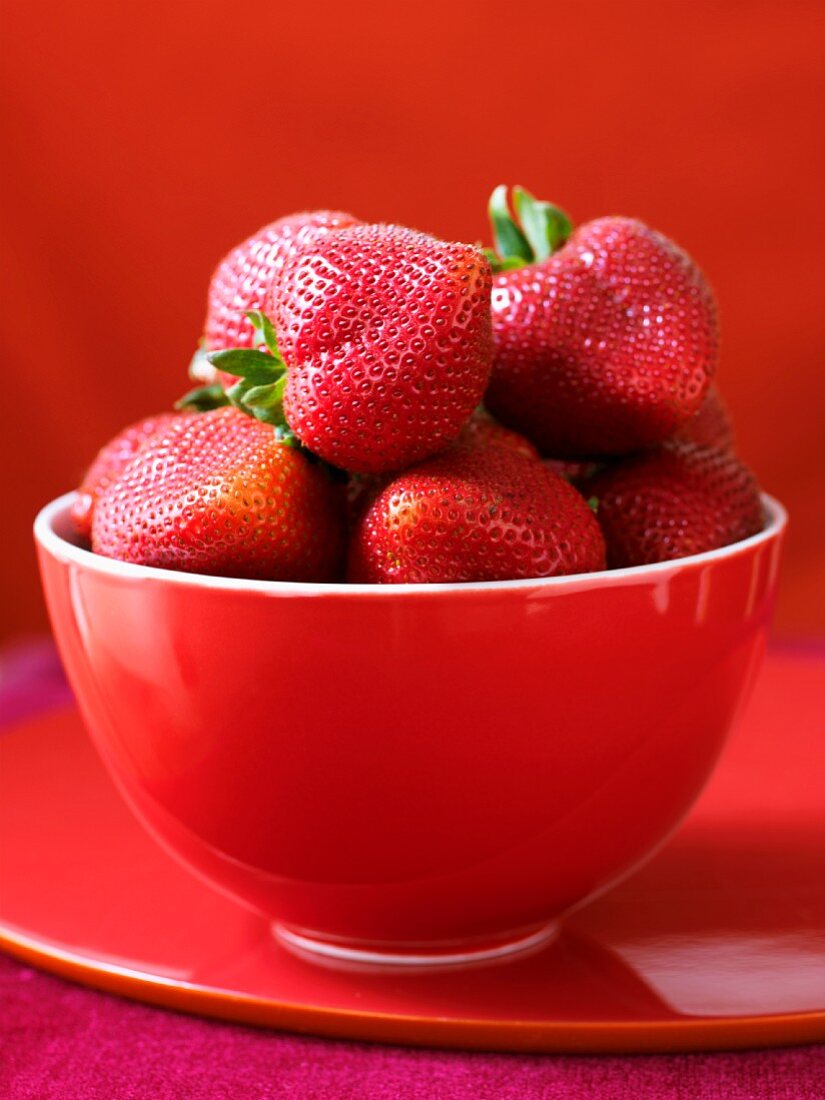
<point x="412" y="772"/>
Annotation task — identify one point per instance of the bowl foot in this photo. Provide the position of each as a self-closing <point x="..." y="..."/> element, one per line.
<point x="456" y="953"/>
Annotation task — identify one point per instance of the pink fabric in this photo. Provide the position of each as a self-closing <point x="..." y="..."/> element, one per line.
<point x="31" y="679"/>
<point x="59" y="1040"/>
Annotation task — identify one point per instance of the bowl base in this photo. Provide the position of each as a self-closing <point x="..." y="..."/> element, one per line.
<point x="456" y="953"/>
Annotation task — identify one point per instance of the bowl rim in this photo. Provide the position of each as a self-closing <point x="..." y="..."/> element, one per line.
<point x="60" y="548"/>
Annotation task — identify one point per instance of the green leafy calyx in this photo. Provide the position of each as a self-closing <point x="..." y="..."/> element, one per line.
<point x="203" y="398"/>
<point x="261" y="379"/>
<point x="528" y="233"/>
<point x="261" y="374"/>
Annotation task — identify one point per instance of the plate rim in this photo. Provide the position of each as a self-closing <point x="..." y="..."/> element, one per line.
<point x="712" y="1033"/>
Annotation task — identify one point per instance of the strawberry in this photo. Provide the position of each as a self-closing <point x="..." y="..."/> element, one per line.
<point x="606" y="337"/>
<point x="111" y="459"/>
<point x="387" y="335"/>
<point x="383" y="346"/>
<point x="242" y="279"/>
<point x="219" y="493"/>
<point x="475" y="514"/>
<point x="681" y="499"/>
<point x="479" y="431"/>
<point x="710" y="426"/>
<point x="483" y="431"/>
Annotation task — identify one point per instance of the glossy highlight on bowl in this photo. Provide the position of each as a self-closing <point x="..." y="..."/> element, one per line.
<point x="427" y="772"/>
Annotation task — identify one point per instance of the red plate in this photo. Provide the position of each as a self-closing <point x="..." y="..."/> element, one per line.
<point x="718" y="942"/>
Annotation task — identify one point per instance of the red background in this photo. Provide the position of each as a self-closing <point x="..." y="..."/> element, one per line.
<point x="142" y="140"/>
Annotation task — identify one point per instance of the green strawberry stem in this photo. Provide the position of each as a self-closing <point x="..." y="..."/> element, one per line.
<point x="261" y="374"/>
<point x="510" y="241"/>
<point x="203" y="398"/>
<point x="261" y="380"/>
<point x="270" y="396"/>
<point x="528" y="234"/>
<point x="256" y="367"/>
<point x="259" y="391"/>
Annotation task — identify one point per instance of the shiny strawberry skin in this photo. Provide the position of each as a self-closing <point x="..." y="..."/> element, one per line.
<point x="242" y="278"/>
<point x="387" y="337"/>
<point x="479" y="431"/>
<point x="607" y="346"/>
<point x="678" y="500"/>
<point x="218" y="493"/>
<point x="475" y="514"/>
<point x="709" y="427"/>
<point x="111" y="459"/>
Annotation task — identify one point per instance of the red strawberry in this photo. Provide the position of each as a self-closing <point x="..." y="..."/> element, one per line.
<point x="479" y="431"/>
<point x="682" y="499"/>
<point x="603" y="347"/>
<point x="475" y="514"/>
<point x="218" y="493"/>
<point x="483" y="431"/>
<point x="110" y="461"/>
<point x="242" y="278"/>
<point x="710" y="426"/>
<point x="386" y="341"/>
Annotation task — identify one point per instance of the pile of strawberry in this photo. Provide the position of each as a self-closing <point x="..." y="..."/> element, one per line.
<point x="380" y="406"/>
